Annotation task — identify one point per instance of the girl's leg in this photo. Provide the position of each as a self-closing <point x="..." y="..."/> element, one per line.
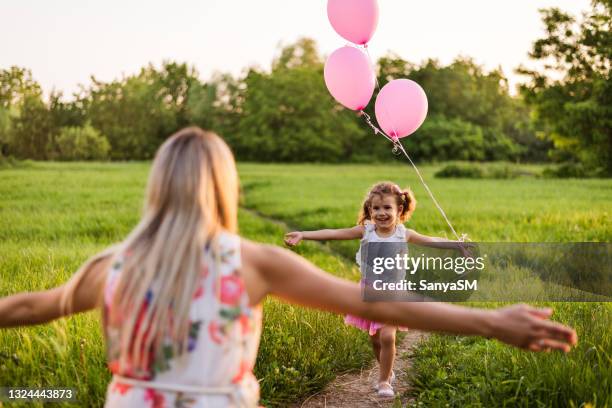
<point x="387" y="352"/>
<point x="375" y="340"/>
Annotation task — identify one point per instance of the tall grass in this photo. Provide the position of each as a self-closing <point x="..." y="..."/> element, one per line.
<point x="474" y="372"/>
<point x="458" y="371"/>
<point x="53" y="216"/>
<point x="512" y="210"/>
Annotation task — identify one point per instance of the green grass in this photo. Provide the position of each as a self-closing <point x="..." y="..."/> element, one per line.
<point x="53" y="216"/>
<point x="474" y="372"/>
<point x="458" y="371"/>
<point x="520" y="210"/>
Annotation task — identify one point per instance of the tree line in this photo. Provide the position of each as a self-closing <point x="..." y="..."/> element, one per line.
<point x="286" y="114"/>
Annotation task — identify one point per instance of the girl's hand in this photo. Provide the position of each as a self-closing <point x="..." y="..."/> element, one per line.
<point x="529" y="328"/>
<point x="293" y="238"/>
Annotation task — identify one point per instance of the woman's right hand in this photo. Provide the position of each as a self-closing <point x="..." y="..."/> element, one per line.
<point x="529" y="328"/>
<point x="289" y="276"/>
<point x="293" y="238"/>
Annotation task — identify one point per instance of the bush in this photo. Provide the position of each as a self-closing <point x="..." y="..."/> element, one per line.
<point x="442" y="139"/>
<point x="478" y="171"/>
<point x="505" y="171"/>
<point x="82" y="143"/>
<point x="498" y="146"/>
<point x="8" y="162"/>
<point x="573" y="170"/>
<point x="461" y="171"/>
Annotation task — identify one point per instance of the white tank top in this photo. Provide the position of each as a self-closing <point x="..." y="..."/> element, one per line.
<point x="370" y="235"/>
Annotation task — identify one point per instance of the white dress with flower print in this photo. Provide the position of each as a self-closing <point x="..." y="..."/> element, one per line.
<point x="223" y="342"/>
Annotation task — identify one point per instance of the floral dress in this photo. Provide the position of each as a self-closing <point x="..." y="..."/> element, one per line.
<point x="370" y="235"/>
<point x="222" y="347"/>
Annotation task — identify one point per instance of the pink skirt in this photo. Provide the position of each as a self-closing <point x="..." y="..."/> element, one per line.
<point x="367" y="325"/>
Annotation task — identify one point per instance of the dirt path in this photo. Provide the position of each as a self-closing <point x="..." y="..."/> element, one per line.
<point x="355" y="390"/>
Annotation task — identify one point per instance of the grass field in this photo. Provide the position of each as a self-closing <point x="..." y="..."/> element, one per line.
<point x="53" y="216"/>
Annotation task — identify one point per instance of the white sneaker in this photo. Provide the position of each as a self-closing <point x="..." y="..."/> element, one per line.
<point x="385" y="390"/>
<point x="391" y="380"/>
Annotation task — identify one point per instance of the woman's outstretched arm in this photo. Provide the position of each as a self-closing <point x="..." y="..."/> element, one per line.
<point x="296" y="280"/>
<point x="81" y="293"/>
<point x="294" y="238"/>
<point x="30" y="308"/>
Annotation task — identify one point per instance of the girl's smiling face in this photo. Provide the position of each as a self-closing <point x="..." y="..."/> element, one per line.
<point x="384" y="211"/>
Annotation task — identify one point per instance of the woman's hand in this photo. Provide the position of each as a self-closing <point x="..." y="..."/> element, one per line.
<point x="529" y="328"/>
<point x="465" y="249"/>
<point x="293" y="238"/>
<point x="282" y="273"/>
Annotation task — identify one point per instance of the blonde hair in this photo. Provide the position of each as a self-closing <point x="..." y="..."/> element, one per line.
<point x="404" y="198"/>
<point x="192" y="194"/>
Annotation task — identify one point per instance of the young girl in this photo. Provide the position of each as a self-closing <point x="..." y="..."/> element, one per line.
<point x="385" y="209"/>
<point x="181" y="295"/>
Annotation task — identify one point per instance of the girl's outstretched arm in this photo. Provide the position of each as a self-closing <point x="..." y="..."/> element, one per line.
<point x="293" y="278"/>
<point x="420" y="239"/>
<point x="414" y="237"/>
<point x="294" y="238"/>
<point x="81" y="293"/>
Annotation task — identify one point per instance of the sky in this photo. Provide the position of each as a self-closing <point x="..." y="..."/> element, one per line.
<point x="64" y="42"/>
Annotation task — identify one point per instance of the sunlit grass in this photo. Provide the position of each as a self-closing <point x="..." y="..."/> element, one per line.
<point x="462" y="371"/>
<point x="53" y="216"/>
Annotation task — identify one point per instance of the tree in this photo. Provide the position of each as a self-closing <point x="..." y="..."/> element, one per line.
<point x="302" y="54"/>
<point x="441" y="139"/>
<point x="5" y="129"/>
<point x="173" y="83"/>
<point x="463" y="100"/>
<point x="82" y="143"/>
<point x="572" y="92"/>
<point x="138" y="113"/>
<point x="288" y="115"/>
<point x="24" y="118"/>
<point x="216" y="105"/>
<point x="66" y="114"/>
<point x="31" y="129"/>
<point x="15" y="84"/>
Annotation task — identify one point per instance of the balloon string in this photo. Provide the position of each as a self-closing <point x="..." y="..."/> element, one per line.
<point x="384" y="108"/>
<point x="365" y="47"/>
<point x="398" y="147"/>
<point x="463" y="237"/>
<point x="376" y="130"/>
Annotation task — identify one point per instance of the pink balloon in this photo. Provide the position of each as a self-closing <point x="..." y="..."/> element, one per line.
<point x="349" y="77"/>
<point x="401" y="107"/>
<point x="354" y="20"/>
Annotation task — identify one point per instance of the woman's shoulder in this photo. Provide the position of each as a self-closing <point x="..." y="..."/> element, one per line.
<point x="257" y="259"/>
<point x="228" y="245"/>
<point x="228" y="239"/>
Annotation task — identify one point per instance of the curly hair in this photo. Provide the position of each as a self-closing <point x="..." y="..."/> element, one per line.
<point x="404" y="198"/>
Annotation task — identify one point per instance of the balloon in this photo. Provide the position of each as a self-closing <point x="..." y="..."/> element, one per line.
<point x="349" y="77"/>
<point x="354" y="20"/>
<point x="401" y="107"/>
